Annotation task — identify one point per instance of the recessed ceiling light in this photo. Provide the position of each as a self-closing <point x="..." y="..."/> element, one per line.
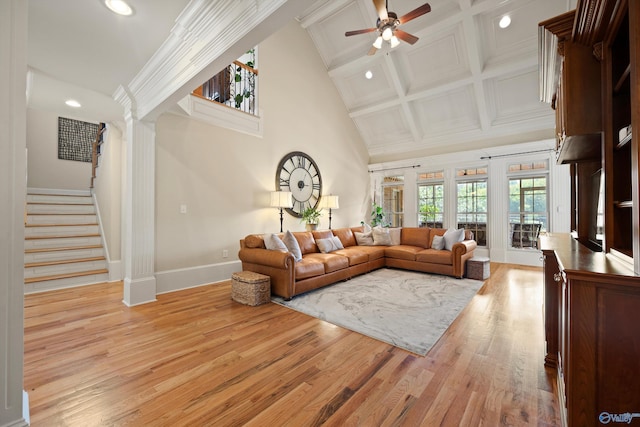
<point x="505" y="21"/>
<point x="368" y="74"/>
<point x="119" y="6"/>
<point x="72" y="103"/>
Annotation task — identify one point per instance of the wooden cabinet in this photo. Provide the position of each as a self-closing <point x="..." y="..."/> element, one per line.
<point x="592" y="311"/>
<point x="577" y="98"/>
<point x="620" y="147"/>
<point x="590" y="75"/>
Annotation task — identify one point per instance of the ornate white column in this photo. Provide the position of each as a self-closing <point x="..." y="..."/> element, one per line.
<point x="13" y="117"/>
<point x="138" y="220"/>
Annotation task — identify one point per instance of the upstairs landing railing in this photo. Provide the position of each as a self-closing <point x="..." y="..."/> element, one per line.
<point x="95" y="151"/>
<point x="234" y="86"/>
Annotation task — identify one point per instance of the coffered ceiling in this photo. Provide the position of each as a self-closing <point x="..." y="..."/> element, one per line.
<point x="465" y="84"/>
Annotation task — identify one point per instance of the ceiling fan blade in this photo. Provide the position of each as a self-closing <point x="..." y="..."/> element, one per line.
<point x="425" y="8"/>
<point x="381" y="8"/>
<point x="372" y="51"/>
<point x="355" y="32"/>
<point x="404" y="36"/>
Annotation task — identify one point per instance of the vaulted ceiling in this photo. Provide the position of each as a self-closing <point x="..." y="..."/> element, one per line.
<point x="465" y="84"/>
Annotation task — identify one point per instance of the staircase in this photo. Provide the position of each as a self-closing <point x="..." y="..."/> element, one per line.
<point x="63" y="245"/>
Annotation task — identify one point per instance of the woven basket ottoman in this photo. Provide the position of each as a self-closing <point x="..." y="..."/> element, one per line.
<point x="478" y="268"/>
<point x="250" y="288"/>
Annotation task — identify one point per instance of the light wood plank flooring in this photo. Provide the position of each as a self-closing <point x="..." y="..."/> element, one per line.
<point x="196" y="358"/>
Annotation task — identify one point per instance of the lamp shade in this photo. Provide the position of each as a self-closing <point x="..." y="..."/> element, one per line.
<point x="281" y="199"/>
<point x="329" y="202"/>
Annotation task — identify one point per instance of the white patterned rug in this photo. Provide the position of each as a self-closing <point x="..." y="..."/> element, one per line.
<point x="407" y="309"/>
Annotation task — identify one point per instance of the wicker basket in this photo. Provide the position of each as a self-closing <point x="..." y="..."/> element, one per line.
<point x="250" y="288"/>
<point x="478" y="268"/>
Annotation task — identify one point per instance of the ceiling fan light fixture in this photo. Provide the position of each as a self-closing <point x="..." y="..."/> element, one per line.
<point x="394" y="42"/>
<point x="387" y="33"/>
<point x="505" y="21"/>
<point x="378" y="43"/>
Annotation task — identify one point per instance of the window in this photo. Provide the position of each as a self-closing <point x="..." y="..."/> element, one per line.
<point x="431" y="199"/>
<point x="472" y="208"/>
<point x="393" y="200"/>
<point x="527" y="210"/>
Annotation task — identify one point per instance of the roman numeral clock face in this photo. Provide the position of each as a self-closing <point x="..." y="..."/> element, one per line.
<point x="298" y="173"/>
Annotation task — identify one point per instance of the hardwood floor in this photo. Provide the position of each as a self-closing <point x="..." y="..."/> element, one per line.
<point x="195" y="358"/>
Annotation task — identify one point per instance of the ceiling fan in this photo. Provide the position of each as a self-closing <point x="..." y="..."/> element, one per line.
<point x="387" y="26"/>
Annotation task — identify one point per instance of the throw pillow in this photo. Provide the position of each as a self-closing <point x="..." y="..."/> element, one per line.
<point x="381" y="236"/>
<point x="274" y="243"/>
<point x="292" y="245"/>
<point x="453" y="236"/>
<point x="438" y="243"/>
<point x="395" y="234"/>
<point x="329" y="245"/>
<point x="366" y="228"/>
<point x="364" y="239"/>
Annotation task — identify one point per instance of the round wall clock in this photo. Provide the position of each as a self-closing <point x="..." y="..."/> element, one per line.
<point x="299" y="174"/>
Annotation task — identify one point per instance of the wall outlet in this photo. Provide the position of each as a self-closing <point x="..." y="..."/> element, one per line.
<point x="183" y="208"/>
<point x="225" y="253"/>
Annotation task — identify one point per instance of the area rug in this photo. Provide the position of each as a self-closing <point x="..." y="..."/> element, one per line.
<point x="407" y="309"/>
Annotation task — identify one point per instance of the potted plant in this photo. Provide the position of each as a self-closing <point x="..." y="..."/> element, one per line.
<point x="377" y="215"/>
<point x="310" y="217"/>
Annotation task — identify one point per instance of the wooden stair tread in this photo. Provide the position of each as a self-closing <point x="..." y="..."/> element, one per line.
<point x="63" y="225"/>
<point x="65" y="248"/>
<point x="59" y="213"/>
<point x="61" y="237"/>
<point x="60" y="203"/>
<point x="58" y="195"/>
<point x="65" y="276"/>
<point x="63" y="261"/>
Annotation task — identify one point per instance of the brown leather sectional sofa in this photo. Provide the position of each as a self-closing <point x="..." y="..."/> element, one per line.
<point x="317" y="269"/>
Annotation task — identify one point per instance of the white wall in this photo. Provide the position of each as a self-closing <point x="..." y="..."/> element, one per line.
<point x="497" y="160"/>
<point x="224" y="177"/>
<point x="45" y="169"/>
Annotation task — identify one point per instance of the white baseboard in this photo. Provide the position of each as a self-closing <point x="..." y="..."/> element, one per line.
<point x="184" y="278"/>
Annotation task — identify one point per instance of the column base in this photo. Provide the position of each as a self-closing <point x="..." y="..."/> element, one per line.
<point x="139" y="291"/>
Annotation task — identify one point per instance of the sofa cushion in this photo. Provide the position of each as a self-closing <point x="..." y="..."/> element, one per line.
<point x="364" y="239"/>
<point x="321" y="234"/>
<point x="381" y="236"/>
<point x="308" y="267"/>
<point x="253" y="241"/>
<point x="346" y="236"/>
<point x="292" y="245"/>
<point x="331" y="262"/>
<point x="434" y="256"/>
<point x="374" y="252"/>
<point x="437" y="243"/>
<point x="402" y="252"/>
<point x="395" y="234"/>
<point x="329" y="244"/>
<point x="353" y="254"/>
<point x="274" y="243"/>
<point x="414" y="236"/>
<point x="306" y="241"/>
<point x="453" y="236"/>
